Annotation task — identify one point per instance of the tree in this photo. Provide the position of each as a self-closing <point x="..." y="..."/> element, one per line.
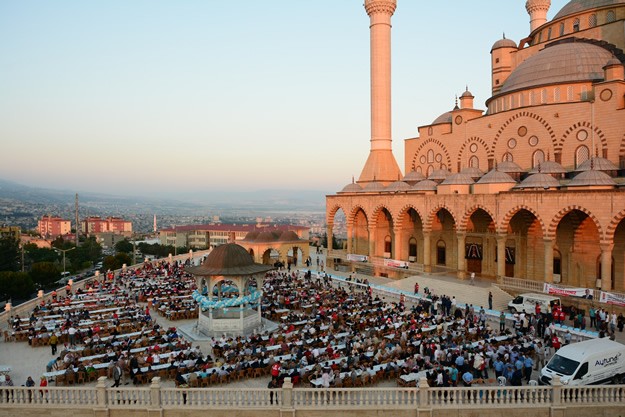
<point x="117" y="261"/>
<point x="44" y="273"/>
<point x="9" y="250"/>
<point x="15" y="285"/>
<point x="123" y="246"/>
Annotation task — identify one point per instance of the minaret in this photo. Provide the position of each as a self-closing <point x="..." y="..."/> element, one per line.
<point x="381" y="164"/>
<point x="155" y="224"/>
<point x="537" y="9"/>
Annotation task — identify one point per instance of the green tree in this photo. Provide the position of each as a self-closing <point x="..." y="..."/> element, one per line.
<point x="15" y="285"/>
<point x="45" y="273"/>
<point x="123" y="246"/>
<point x="9" y="251"/>
<point x="117" y="261"/>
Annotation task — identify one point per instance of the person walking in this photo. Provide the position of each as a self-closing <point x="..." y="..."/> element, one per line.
<point x="490" y="300"/>
<point x="472" y="279"/>
<point x="53" y="342"/>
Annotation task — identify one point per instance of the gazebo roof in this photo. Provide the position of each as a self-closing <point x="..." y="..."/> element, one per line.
<point x="229" y="260"/>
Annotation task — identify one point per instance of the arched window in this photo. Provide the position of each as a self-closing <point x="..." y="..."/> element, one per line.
<point x="584" y="93"/>
<point x="610" y="17"/>
<point x="592" y="20"/>
<point x="581" y="155"/>
<point x="507" y="157"/>
<point x="419" y="169"/>
<point x="521" y="100"/>
<point x="576" y="25"/>
<point x="549" y="34"/>
<point x="569" y="93"/>
<point x="430" y="156"/>
<point x="388" y="243"/>
<point x="474" y="162"/>
<point x="537" y="158"/>
<point x="430" y="169"/>
<point x="562" y="29"/>
<point x="556" y="94"/>
<point x="543" y="96"/>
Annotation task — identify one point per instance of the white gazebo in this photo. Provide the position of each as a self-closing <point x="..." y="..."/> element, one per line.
<point x="235" y="309"/>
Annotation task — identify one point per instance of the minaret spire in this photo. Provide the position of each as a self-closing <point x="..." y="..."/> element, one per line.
<point x="381" y="163"/>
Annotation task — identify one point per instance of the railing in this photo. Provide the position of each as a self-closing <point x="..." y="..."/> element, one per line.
<point x="156" y="397"/>
<point x="522" y="284"/>
<point x="375" y="262"/>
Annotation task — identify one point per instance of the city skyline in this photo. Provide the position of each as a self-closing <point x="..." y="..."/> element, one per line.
<point x="141" y="97"/>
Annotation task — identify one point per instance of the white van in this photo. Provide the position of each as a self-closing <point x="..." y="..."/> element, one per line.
<point x="593" y="361"/>
<point x="528" y="302"/>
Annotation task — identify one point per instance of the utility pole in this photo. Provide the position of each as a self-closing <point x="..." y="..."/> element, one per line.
<point x="65" y="250"/>
<point x="77" y="219"/>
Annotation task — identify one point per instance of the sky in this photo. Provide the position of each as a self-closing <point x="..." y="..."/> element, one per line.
<point x="152" y="97"/>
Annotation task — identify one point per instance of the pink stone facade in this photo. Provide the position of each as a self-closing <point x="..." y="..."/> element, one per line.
<point x="535" y="179"/>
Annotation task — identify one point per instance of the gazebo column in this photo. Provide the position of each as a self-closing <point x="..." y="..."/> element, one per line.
<point x="427" y="251"/>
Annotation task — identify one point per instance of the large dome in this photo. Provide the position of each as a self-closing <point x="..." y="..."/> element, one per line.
<point x="576" y="6"/>
<point x="230" y="259"/>
<point x="563" y="62"/>
<point x="443" y="118"/>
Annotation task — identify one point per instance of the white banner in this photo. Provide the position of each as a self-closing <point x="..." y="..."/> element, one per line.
<point x="569" y="292"/>
<point x="614" y="299"/>
<point x="395" y="263"/>
<point x="357" y="258"/>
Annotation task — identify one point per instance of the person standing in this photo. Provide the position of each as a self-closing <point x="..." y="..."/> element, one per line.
<point x="502" y="322"/>
<point x="592" y="313"/>
<point x="490" y="300"/>
<point x="53" y="342"/>
<point x="117" y="375"/>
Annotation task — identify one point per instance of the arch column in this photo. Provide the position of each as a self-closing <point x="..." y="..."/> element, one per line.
<point x="606" y="266"/>
<point x="548" y="260"/>
<point x="330" y="228"/>
<point x="462" y="269"/>
<point x="501" y="256"/>
<point x="427" y="251"/>
<point x="350" y="234"/>
<point x="398" y="245"/>
<point x="372" y="240"/>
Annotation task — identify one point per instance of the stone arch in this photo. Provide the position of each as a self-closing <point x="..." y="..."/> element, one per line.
<point x="598" y="135"/>
<point x="611" y="229"/>
<point x="352" y="213"/>
<point x="513" y="118"/>
<point x="403" y="212"/>
<point x="505" y="221"/>
<point x="553" y="225"/>
<point x="376" y="211"/>
<point x="425" y="143"/>
<point x="468" y="142"/>
<point x="332" y="212"/>
<point x="462" y="224"/>
<point x="427" y="221"/>
<point x="621" y="153"/>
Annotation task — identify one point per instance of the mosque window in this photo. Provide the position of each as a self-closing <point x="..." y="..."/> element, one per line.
<point x="581" y="155"/>
<point x="474" y="162"/>
<point x="507" y="157"/>
<point x="496" y="60"/>
<point x="592" y="20"/>
<point x="473" y="147"/>
<point x="610" y="17"/>
<point x="569" y="93"/>
<point x="576" y="25"/>
<point x="556" y="94"/>
<point x="533" y="141"/>
<point x="423" y="159"/>
<point x="439" y="157"/>
<point x="430" y="169"/>
<point x="521" y="100"/>
<point x="584" y="93"/>
<point x="562" y="29"/>
<point x="532" y="98"/>
<point x="430" y="156"/>
<point x="537" y="158"/>
<point x="549" y="34"/>
<point x="512" y="143"/>
<point x="582" y="135"/>
<point x="543" y="96"/>
<point x="540" y="37"/>
<point x="512" y="102"/>
<point x="443" y="167"/>
<point x="419" y="169"/>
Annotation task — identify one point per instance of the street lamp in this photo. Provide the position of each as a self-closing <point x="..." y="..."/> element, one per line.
<point x="64" y="250"/>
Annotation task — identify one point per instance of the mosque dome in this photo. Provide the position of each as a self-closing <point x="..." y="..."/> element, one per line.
<point x="613" y="61"/>
<point x="251" y="235"/>
<point x="539" y="180"/>
<point x="576" y="6"/>
<point x="590" y="178"/>
<point x="467" y="93"/>
<point x="562" y="62"/>
<point x="509" y="167"/>
<point x="443" y="118"/>
<point x="439" y="174"/>
<point x="458" y="179"/>
<point x="398" y="186"/>
<point x="229" y="259"/>
<point x="495" y="176"/>
<point x="473" y="172"/>
<point x="413" y="176"/>
<point x="425" y="185"/>
<point x="288" y="236"/>
<point x="352" y="187"/>
<point x="548" y="167"/>
<point x="266" y="236"/>
<point x="504" y="43"/>
<point x="373" y="187"/>
<point x="597" y="164"/>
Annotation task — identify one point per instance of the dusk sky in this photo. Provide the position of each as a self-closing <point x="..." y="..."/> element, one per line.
<point x="147" y="96"/>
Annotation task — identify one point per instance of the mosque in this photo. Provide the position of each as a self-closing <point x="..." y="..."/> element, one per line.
<point x="531" y="187"/>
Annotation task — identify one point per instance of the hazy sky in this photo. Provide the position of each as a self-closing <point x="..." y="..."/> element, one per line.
<point x="148" y="96"/>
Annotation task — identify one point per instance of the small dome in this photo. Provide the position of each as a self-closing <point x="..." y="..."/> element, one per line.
<point x="288" y="236"/>
<point x="509" y="167"/>
<point x="467" y="93"/>
<point x="458" y="179"/>
<point x="576" y="6"/>
<point x="548" y="167"/>
<point x="613" y="61"/>
<point x="439" y="174"/>
<point x="443" y="118"/>
<point x="562" y="62"/>
<point x="230" y="259"/>
<point x="472" y="172"/>
<point x="503" y="43"/>
<point x="398" y="186"/>
<point x="590" y="178"/>
<point x="251" y="235"/>
<point x="425" y="185"/>
<point x="495" y="176"/>
<point x="413" y="176"/>
<point x="266" y="236"/>
<point x="373" y="187"/>
<point x="597" y="164"/>
<point x="539" y="181"/>
<point x="352" y="187"/>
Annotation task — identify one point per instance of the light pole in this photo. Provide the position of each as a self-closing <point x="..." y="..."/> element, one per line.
<point x="64" y="250"/>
